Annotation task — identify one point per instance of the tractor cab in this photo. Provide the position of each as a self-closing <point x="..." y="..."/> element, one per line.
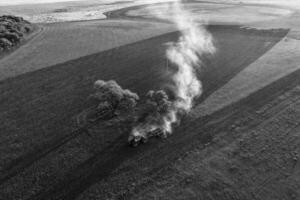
<point x="135" y="140"/>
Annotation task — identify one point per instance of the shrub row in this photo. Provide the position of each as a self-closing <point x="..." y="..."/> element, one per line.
<point x="12" y="31"/>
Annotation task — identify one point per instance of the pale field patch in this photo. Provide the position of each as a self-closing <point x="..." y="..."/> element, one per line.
<point x="219" y="13"/>
<point x="280" y="61"/>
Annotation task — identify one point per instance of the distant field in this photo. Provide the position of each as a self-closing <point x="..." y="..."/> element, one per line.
<point x="36" y="108"/>
<point x="228" y="11"/>
<point x="218" y="12"/>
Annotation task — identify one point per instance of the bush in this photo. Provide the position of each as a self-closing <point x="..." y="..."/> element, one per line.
<point x="2" y="28"/>
<point x="110" y="94"/>
<point x="5" y="43"/>
<point x="12" y="37"/>
<point x="27" y="28"/>
<point x="12" y="18"/>
<point x="17" y="32"/>
<point x="12" y="30"/>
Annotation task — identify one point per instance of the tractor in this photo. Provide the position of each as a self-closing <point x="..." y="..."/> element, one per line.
<point x="136" y="140"/>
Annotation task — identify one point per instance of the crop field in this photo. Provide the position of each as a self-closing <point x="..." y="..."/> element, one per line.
<point x="56" y="94"/>
<point x="240" y="140"/>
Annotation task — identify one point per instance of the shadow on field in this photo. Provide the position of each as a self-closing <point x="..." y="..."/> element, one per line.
<point x="52" y="96"/>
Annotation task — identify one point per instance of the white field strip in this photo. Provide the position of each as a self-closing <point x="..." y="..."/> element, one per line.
<point x="280" y="61"/>
<point x="50" y="11"/>
<point x="78" y="10"/>
<point x="221" y="13"/>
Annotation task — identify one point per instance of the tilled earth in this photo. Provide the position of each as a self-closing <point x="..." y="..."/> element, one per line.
<point x="247" y="150"/>
<point x="45" y="157"/>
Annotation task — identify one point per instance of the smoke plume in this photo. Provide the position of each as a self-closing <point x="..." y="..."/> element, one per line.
<point x="185" y="54"/>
